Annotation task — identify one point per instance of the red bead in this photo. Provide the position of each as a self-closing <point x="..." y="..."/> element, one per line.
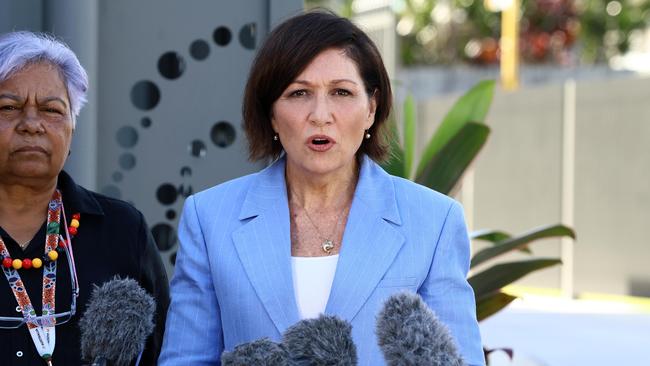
<point x="7" y="262"/>
<point x="61" y="243"/>
<point x="72" y="230"/>
<point x="27" y="263"/>
<point x="76" y="216"/>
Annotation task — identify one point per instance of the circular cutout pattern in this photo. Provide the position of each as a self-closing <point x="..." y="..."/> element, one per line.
<point x="127" y="136"/>
<point x="145" y="95"/>
<point x="170" y="214"/>
<point x="164" y="235"/>
<point x="166" y="194"/>
<point x="197" y="149"/>
<point x="171" y="65"/>
<point x="185" y="191"/>
<point x="222" y="134"/>
<point x="247" y="36"/>
<point x="145" y="122"/>
<point x="200" y="50"/>
<point x="112" y="191"/>
<point x="127" y="161"/>
<point x="186" y="171"/>
<point x="117" y="177"/>
<point x="222" y="36"/>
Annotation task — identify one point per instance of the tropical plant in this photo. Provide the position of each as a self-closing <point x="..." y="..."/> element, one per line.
<point x="450" y="151"/>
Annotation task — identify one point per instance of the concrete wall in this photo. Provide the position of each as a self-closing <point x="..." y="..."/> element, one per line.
<point x="518" y="178"/>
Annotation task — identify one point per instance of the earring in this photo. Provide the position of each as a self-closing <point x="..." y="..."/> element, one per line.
<point x="276" y="137"/>
<point x="367" y="136"/>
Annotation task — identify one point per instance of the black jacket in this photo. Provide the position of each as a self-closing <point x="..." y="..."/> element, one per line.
<point x="113" y="239"/>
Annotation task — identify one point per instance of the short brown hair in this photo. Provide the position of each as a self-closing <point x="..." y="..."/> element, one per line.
<point x="286" y="52"/>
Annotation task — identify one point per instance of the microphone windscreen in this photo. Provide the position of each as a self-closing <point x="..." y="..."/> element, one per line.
<point x="326" y="340"/>
<point x="410" y="334"/>
<point x="262" y="352"/>
<point x="117" y="322"/>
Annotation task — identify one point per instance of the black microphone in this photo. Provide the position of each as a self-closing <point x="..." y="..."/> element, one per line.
<point x="409" y="334"/>
<point x="117" y="322"/>
<point x="326" y="340"/>
<point x="262" y="352"/>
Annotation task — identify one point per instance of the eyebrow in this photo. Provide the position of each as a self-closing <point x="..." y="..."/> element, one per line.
<point x="337" y="81"/>
<point x="41" y="101"/>
<point x="53" y="99"/>
<point x="10" y="96"/>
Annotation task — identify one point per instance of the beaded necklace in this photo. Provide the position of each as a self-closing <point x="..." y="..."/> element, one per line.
<point x="42" y="332"/>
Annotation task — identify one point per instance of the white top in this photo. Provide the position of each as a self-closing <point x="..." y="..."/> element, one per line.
<point x="312" y="283"/>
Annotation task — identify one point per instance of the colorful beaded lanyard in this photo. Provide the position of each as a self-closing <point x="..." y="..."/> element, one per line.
<point x="42" y="331"/>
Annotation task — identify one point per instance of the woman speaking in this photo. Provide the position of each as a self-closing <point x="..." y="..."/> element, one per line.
<point x="323" y="229"/>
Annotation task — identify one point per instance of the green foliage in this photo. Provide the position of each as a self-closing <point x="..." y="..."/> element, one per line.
<point x="450" y="151"/>
<point x="557" y="31"/>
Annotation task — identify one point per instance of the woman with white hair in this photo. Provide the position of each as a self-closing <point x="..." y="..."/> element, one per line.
<point x="44" y="215"/>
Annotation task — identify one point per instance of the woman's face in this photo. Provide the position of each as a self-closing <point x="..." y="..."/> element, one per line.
<point x="35" y="124"/>
<point x="322" y="116"/>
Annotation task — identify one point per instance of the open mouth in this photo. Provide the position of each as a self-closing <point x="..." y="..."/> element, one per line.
<point x="320" y="143"/>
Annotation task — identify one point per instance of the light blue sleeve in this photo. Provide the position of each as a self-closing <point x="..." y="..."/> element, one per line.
<point x="447" y="291"/>
<point x="193" y="334"/>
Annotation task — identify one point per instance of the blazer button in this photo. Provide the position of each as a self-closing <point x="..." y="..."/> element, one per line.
<point x="19" y="353"/>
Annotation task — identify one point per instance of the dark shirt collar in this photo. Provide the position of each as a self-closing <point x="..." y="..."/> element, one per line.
<point x="76" y="198"/>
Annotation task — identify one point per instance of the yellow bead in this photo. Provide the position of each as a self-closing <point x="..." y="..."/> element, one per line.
<point x="74" y="223"/>
<point x="17" y="264"/>
<point x="37" y="263"/>
<point x="53" y="255"/>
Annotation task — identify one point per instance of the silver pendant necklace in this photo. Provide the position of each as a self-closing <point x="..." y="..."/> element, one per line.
<point x="328" y="245"/>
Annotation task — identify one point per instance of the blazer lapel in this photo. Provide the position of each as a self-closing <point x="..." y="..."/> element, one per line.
<point x="370" y="242"/>
<point x="263" y="245"/>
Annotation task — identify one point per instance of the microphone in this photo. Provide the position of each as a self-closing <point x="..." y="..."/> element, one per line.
<point x="409" y="334"/>
<point x="326" y="340"/>
<point x="117" y="322"/>
<point x="262" y="352"/>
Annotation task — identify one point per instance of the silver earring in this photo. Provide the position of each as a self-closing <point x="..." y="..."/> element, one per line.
<point x="276" y="137"/>
<point x="367" y="135"/>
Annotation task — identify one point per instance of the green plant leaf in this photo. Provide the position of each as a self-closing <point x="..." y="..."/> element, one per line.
<point x="493" y="236"/>
<point x="471" y="107"/>
<point x="494" y="278"/>
<point x="395" y="163"/>
<point x="492" y="303"/>
<point x="409" y="135"/>
<point x="445" y="169"/>
<point x="520" y="241"/>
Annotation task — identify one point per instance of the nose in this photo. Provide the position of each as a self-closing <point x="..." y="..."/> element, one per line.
<point x="321" y="113"/>
<point x="31" y="122"/>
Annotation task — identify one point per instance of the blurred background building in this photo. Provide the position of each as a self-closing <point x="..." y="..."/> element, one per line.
<point x="571" y="145"/>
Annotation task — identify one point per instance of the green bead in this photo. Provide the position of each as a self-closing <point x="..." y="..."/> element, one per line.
<point x="53" y="228"/>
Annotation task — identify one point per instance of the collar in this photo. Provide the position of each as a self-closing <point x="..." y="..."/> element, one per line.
<point x="375" y="188"/>
<point x="77" y="198"/>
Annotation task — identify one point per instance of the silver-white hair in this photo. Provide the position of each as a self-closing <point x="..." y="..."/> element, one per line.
<point x="19" y="49"/>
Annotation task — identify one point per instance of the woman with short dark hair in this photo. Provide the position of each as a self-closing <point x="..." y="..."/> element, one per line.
<point x="323" y="229"/>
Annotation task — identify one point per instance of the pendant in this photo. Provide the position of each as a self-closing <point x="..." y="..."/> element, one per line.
<point x="327" y="246"/>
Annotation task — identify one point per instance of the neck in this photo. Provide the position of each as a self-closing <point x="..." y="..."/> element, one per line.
<point x="316" y="192"/>
<point x="24" y="208"/>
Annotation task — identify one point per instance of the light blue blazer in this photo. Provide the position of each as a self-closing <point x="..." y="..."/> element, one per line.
<point x="232" y="283"/>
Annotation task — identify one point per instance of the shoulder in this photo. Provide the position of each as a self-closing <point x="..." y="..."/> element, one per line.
<point x="233" y="190"/>
<point x="114" y="207"/>
<point x="413" y="196"/>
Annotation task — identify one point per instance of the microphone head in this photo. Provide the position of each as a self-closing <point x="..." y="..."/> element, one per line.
<point x="410" y="334"/>
<point x="326" y="340"/>
<point x="117" y="321"/>
<point x="262" y="352"/>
